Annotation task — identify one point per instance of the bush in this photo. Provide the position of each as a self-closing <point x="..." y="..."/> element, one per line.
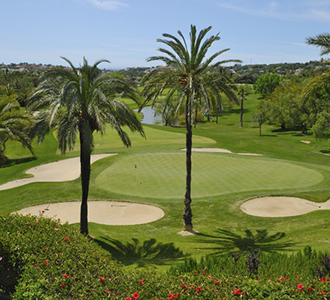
<point x="43" y="259"/>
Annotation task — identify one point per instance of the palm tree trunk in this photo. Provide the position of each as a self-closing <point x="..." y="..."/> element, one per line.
<point x="241" y="115"/>
<point x="85" y="167"/>
<point x="187" y="215"/>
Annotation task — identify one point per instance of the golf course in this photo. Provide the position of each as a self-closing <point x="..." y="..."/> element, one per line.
<point x="152" y="172"/>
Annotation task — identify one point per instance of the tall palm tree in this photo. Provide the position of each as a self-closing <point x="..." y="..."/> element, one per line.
<point x="14" y="124"/>
<point x="82" y="101"/>
<point x="187" y="76"/>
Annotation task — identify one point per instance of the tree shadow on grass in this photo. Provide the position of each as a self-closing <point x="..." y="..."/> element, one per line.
<point x="141" y="253"/>
<point x="228" y="242"/>
<point x="11" y="162"/>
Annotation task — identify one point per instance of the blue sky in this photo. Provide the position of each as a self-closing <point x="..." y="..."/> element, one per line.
<point x="125" y="31"/>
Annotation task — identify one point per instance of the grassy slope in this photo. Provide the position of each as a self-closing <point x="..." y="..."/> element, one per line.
<point x="223" y="226"/>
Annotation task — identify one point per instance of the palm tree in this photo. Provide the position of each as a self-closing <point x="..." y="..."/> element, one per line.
<point x="14" y="124"/>
<point x="187" y="76"/>
<point x="82" y="100"/>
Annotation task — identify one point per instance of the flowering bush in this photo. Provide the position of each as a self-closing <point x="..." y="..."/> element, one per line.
<point x="43" y="259"/>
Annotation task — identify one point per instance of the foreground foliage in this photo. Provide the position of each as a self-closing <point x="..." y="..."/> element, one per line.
<point x="43" y="259"/>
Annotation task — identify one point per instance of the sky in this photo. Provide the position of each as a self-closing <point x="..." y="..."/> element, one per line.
<point x="125" y="32"/>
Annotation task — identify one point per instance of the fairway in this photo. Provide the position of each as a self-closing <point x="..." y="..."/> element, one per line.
<point x="162" y="175"/>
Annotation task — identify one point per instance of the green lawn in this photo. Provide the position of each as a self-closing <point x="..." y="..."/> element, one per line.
<point x="221" y="183"/>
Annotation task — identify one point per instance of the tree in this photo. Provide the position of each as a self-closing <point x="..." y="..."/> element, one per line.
<point x="267" y="83"/>
<point x="188" y="75"/>
<point x="319" y="84"/>
<point x="243" y="91"/>
<point x="261" y="115"/>
<point x="14" y="124"/>
<point x="82" y="101"/>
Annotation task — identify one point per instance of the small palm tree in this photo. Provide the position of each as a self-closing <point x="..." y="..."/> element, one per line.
<point x="81" y="101"/>
<point x="187" y="77"/>
<point x="14" y="124"/>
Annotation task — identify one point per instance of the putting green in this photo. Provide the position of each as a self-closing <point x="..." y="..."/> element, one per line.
<point x="162" y="175"/>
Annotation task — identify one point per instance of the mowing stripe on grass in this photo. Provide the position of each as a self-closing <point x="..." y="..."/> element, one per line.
<point x="162" y="175"/>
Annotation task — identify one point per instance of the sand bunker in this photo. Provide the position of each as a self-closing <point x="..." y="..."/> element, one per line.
<point x="63" y="170"/>
<point x="281" y="206"/>
<point x="219" y="150"/>
<point x="101" y="212"/>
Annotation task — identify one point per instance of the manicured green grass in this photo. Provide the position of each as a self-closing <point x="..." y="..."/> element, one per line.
<point x="221" y="183"/>
<point x="162" y="175"/>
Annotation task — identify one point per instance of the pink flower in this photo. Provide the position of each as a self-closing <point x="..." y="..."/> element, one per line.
<point x="297" y="276"/>
<point x="128" y="298"/>
<point x="141" y="281"/>
<point x="300" y="286"/>
<point x="102" y="279"/>
<point x="107" y="291"/>
<point x="56" y="229"/>
<point x="280" y="279"/>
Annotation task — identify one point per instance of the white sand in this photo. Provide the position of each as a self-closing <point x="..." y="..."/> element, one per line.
<point x="281" y="206"/>
<point x="220" y="150"/>
<point x="101" y="212"/>
<point x="63" y="170"/>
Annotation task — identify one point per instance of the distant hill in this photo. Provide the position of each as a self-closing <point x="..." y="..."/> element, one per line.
<point x="240" y="73"/>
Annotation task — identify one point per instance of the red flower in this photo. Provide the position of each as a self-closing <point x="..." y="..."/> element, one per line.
<point x="183" y="285"/>
<point x="46" y="261"/>
<point x="102" y="279"/>
<point x="128" y="298"/>
<point x="107" y="291"/>
<point x="300" y="286"/>
<point x="297" y="276"/>
<point x="198" y="289"/>
<point x="136" y="295"/>
<point x="62" y="284"/>
<point x="66" y="239"/>
<point x="280" y="279"/>
<point x="173" y="296"/>
<point x="310" y="288"/>
<point x="65" y="275"/>
<point x="141" y="281"/>
<point x="43" y="211"/>
<point x="286" y="278"/>
<point x="236" y="292"/>
<point x="322" y="293"/>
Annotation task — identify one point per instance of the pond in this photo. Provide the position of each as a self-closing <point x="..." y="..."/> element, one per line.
<point x="149" y="116"/>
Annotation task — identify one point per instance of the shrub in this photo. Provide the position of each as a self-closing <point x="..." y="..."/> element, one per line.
<point x="43" y="259"/>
